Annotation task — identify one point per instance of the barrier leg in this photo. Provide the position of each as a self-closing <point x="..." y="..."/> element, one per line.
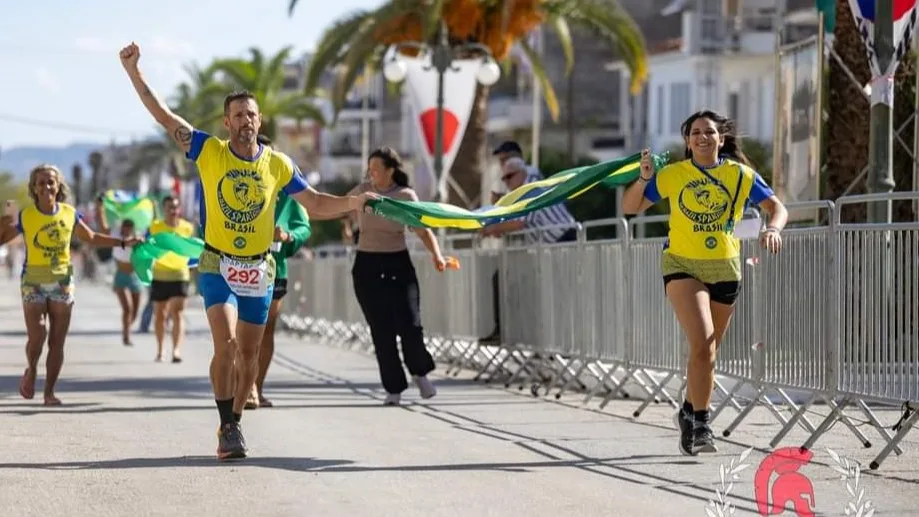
<point x="604" y="379"/>
<point x="825" y="425"/>
<point x="798" y="415"/>
<point x="909" y="419"/>
<point x="877" y="425"/>
<point x="727" y="399"/>
<point x="743" y="413"/>
<point x="866" y="443"/>
<point x="576" y="376"/>
<point x="653" y="395"/>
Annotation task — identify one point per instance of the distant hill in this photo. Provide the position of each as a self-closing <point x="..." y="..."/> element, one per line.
<point x="20" y="160"/>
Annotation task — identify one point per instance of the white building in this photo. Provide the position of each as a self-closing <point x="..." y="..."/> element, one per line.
<point x="723" y="59"/>
<point x="334" y="152"/>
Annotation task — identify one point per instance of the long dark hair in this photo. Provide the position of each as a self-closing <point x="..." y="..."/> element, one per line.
<point x="731" y="148"/>
<point x="391" y="160"/>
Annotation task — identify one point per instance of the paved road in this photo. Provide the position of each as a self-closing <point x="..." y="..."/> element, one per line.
<point x="136" y="438"/>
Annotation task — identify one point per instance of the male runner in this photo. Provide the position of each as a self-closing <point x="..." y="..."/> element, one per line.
<point x="240" y="180"/>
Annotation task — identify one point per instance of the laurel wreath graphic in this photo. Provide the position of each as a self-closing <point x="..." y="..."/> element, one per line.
<point x="858" y="506"/>
<point x="724" y="507"/>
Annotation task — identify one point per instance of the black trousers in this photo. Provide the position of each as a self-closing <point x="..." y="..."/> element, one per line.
<point x="387" y="291"/>
<point x="569" y="236"/>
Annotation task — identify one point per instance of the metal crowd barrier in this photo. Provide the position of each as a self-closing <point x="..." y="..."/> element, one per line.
<point x="831" y="320"/>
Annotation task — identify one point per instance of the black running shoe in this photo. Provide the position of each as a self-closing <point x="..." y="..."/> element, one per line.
<point x="703" y="440"/>
<point x="684" y="423"/>
<point x="230" y="442"/>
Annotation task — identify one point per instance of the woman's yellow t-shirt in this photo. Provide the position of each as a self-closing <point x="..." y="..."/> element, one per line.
<point x="705" y="204"/>
<point x="47" y="240"/>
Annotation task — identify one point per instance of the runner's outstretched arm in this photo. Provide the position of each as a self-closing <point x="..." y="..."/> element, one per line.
<point x="320" y="202"/>
<point x="177" y="127"/>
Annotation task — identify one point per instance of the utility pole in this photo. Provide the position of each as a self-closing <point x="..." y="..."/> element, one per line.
<point x="880" y="151"/>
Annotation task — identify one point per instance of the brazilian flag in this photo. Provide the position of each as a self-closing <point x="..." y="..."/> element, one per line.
<point x="527" y="198"/>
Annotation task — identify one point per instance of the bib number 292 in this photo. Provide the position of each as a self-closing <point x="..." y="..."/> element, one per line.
<point x="243" y="276"/>
<point x="245" y="279"/>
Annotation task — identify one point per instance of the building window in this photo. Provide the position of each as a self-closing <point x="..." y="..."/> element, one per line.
<point x="733" y="105"/>
<point x="680" y="104"/>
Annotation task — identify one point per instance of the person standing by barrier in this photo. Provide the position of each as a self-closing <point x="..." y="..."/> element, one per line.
<point x="47" y="282"/>
<point x="553" y="224"/>
<point x="701" y="262"/>
<point x="386" y="285"/>
<point x="291" y="231"/>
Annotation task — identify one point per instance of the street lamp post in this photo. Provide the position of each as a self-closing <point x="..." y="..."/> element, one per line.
<point x="442" y="57"/>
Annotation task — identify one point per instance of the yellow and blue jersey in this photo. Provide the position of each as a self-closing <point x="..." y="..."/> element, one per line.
<point x="172" y="267"/>
<point x="47" y="240"/>
<point x="238" y="195"/>
<point x="705" y="205"/>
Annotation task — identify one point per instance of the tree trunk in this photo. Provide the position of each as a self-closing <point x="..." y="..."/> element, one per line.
<point x="849" y="113"/>
<point x="904" y="107"/>
<point x="468" y="166"/>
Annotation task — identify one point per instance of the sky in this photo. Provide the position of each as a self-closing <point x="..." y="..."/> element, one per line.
<point x="61" y="81"/>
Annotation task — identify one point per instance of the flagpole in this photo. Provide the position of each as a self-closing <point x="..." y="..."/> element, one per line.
<point x="880" y="150"/>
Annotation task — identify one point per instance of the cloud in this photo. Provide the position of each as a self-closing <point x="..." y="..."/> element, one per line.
<point x="170" y="47"/>
<point x="91" y="44"/>
<point x="47" y="80"/>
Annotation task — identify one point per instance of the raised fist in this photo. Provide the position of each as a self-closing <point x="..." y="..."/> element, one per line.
<point x="129" y="56"/>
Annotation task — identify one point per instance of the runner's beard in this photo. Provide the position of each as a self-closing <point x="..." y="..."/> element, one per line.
<point x="245" y="136"/>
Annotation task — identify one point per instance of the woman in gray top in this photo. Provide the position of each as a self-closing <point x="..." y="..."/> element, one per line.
<point x="386" y="285"/>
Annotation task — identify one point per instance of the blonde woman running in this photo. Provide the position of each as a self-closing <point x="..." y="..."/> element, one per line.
<point x="47" y="275"/>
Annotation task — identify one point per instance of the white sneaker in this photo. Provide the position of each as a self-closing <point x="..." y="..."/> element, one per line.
<point x="392" y="399"/>
<point x="426" y="387"/>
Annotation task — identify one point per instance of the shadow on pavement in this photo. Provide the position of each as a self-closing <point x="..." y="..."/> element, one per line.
<point x="290" y="464"/>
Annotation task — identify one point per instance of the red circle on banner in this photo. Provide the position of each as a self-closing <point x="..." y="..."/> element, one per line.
<point x="428" y="121"/>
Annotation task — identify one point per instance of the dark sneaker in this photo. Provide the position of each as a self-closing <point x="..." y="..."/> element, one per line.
<point x="703" y="440"/>
<point x="230" y="442"/>
<point x="684" y="423"/>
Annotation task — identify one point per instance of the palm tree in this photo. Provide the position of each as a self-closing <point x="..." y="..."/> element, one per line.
<point x="360" y="39"/>
<point x="264" y="77"/>
<point x="200" y="99"/>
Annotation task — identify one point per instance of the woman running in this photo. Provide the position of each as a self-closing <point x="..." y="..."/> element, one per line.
<point x="47" y="276"/>
<point x="292" y="230"/>
<point x="701" y="263"/>
<point x="386" y="285"/>
<point x="126" y="285"/>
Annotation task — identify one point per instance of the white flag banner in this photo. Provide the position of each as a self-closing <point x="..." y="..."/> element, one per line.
<point x="459" y="95"/>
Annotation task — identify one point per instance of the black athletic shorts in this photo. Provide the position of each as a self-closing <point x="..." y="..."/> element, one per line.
<point x="725" y="293"/>
<point x="280" y="288"/>
<point x="161" y="290"/>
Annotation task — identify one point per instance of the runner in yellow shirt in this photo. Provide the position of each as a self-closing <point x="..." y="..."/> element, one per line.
<point x="47" y="285"/>
<point x="171" y="276"/>
<point x="240" y="180"/>
<point x="701" y="262"/>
